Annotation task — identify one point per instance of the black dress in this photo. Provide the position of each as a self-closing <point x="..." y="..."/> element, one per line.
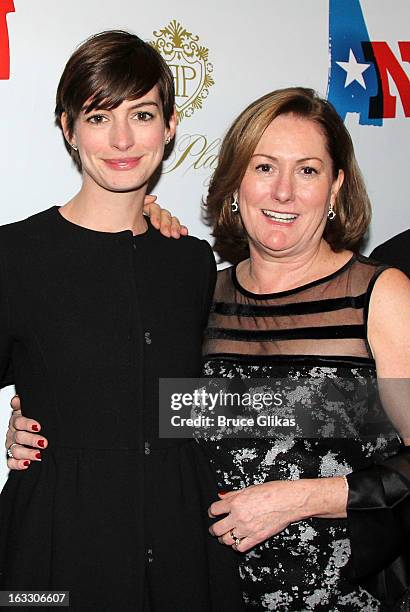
<point x="310" y="335"/>
<point x="89" y="321"/>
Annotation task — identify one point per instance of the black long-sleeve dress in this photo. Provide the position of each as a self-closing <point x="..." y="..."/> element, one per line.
<point x="88" y="323"/>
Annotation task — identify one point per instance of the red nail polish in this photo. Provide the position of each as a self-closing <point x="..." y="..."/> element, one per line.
<point x="223" y="492"/>
<point x="38" y="455"/>
<point x="34" y="427"/>
<point x="41" y="443"/>
<point x="26" y="463"/>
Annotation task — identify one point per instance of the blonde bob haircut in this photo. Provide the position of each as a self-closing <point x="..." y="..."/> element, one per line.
<point x="352" y="204"/>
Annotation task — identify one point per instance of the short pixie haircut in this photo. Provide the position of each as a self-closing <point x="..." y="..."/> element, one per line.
<point x="352" y="204"/>
<point x="107" y="69"/>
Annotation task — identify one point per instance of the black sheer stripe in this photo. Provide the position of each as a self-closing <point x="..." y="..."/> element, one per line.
<point x="283" y="310"/>
<point x="288" y="360"/>
<point x="332" y="332"/>
<point x="264" y="296"/>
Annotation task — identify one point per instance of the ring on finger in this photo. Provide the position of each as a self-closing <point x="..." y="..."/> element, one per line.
<point x="10" y="452"/>
<point x="235" y="539"/>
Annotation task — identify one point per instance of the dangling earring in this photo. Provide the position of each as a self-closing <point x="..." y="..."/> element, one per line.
<point x="331" y="213"/>
<point x="235" y="204"/>
<point x="73" y="146"/>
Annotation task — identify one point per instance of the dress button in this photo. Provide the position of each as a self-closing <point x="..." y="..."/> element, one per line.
<point x="147" y="337"/>
<point x="147" y="448"/>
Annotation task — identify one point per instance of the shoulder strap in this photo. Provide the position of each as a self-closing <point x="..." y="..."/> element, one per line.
<point x="378" y="271"/>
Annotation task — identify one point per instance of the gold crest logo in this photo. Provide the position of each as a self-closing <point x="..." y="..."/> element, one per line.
<point x="190" y="66"/>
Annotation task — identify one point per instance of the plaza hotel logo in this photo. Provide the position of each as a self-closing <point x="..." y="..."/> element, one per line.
<point x="189" y="62"/>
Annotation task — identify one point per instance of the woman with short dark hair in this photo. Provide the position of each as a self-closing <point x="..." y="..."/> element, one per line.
<point x="95" y="306"/>
<point x="106" y="70"/>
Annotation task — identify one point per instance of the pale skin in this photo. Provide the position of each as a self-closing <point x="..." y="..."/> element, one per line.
<point x="119" y="150"/>
<point x="121" y="132"/>
<point x="290" y="172"/>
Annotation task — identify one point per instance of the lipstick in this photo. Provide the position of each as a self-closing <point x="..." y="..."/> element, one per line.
<point x="123" y="163"/>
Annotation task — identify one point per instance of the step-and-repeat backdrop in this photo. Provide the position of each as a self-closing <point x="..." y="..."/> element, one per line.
<point x="223" y="54"/>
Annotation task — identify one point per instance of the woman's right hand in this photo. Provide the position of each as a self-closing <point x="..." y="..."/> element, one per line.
<point x="26" y="445"/>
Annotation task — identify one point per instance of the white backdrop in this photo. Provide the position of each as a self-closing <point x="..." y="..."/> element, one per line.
<point x="253" y="47"/>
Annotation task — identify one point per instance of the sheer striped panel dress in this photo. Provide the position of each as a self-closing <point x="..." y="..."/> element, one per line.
<point x="315" y="332"/>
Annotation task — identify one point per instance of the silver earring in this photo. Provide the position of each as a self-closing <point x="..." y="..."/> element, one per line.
<point x="167" y="140"/>
<point x="235" y="204"/>
<point x="73" y="146"/>
<point x="331" y="213"/>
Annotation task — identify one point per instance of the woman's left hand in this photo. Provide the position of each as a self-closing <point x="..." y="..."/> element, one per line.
<point x="162" y="219"/>
<point x="259" y="512"/>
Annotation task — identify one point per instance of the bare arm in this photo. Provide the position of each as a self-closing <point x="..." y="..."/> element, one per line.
<point x="389" y="339"/>
<point x="378" y="511"/>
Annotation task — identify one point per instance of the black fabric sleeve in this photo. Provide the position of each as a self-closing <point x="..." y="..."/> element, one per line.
<point x="6" y="371"/>
<point x="378" y="518"/>
<point x="395" y="252"/>
<point x="208" y="269"/>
